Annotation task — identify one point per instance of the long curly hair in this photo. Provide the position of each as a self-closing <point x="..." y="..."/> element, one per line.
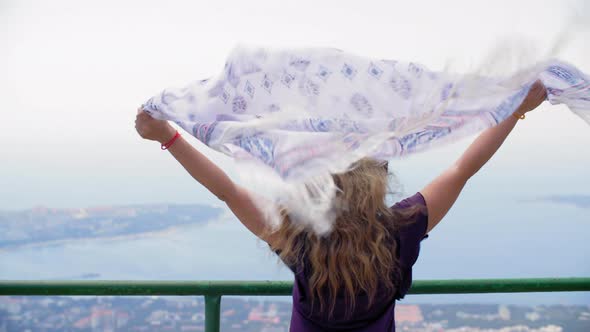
<point x="359" y="254"/>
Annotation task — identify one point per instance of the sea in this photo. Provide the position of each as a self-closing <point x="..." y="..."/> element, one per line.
<point x="510" y="239"/>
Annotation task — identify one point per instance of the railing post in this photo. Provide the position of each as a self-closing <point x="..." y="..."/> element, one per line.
<point x="212" y="309"/>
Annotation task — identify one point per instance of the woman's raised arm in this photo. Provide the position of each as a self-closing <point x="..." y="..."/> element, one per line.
<point x="237" y="198"/>
<point x="441" y="194"/>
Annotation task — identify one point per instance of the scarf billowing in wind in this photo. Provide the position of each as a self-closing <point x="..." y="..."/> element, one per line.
<point x="294" y="116"/>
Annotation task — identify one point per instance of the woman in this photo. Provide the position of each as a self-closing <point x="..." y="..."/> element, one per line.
<point x="349" y="280"/>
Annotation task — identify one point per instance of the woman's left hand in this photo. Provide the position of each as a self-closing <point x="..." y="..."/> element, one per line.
<point x="153" y="129"/>
<point x="537" y="94"/>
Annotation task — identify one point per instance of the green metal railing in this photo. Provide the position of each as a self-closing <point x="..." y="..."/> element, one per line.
<point x="214" y="290"/>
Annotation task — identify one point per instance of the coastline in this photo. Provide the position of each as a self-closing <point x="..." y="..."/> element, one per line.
<point x="223" y="218"/>
<point x="106" y="239"/>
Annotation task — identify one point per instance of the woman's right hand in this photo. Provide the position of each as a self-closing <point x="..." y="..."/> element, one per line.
<point x="153" y="129"/>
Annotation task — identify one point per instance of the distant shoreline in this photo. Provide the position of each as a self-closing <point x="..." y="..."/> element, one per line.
<point x="61" y="242"/>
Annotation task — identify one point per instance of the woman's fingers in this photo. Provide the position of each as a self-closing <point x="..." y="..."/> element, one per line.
<point x="143" y="116"/>
<point x="540" y="88"/>
<point x="540" y="92"/>
<point x="537" y="94"/>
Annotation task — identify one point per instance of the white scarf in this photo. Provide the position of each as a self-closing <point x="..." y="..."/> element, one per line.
<point x="297" y="115"/>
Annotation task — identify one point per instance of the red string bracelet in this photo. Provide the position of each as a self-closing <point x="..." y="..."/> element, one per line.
<point x="170" y="142"/>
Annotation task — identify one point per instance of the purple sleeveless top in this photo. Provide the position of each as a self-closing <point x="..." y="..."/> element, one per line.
<point x="380" y="316"/>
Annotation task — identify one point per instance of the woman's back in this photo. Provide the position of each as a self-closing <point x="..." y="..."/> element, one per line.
<point x="379" y="316"/>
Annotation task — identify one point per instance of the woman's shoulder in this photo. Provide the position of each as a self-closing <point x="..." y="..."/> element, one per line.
<point x="415" y="214"/>
<point x="416" y="200"/>
<point x="409" y="234"/>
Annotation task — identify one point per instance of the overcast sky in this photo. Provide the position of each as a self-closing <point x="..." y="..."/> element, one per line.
<point x="72" y="74"/>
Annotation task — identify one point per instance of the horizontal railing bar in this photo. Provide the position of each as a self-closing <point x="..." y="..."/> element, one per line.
<point x="265" y="288"/>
